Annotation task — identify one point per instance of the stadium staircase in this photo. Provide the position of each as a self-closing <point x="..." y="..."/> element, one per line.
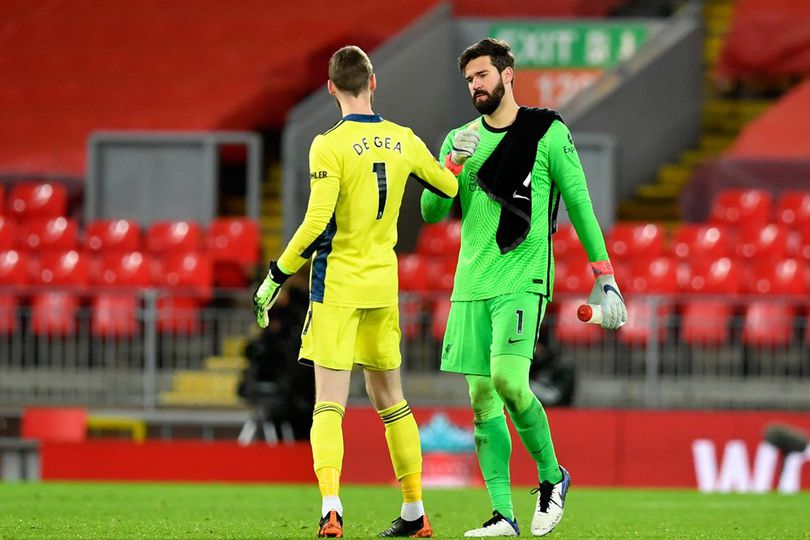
<point x="723" y="117"/>
<point x="213" y="386"/>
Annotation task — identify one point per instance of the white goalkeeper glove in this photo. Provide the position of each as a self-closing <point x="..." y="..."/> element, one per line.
<point x="605" y="293"/>
<point x="267" y="293"/>
<point x="464" y="144"/>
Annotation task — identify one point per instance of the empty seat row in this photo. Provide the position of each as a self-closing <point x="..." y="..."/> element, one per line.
<point x="232" y="243"/>
<point x="629" y="241"/>
<point x="77" y="270"/>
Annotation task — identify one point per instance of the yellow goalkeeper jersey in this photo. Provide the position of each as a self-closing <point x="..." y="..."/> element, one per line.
<point x="358" y="170"/>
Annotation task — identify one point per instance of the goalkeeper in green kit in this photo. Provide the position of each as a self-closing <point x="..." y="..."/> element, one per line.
<point x="513" y="164"/>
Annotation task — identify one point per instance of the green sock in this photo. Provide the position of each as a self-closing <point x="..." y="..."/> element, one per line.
<point x="532" y="426"/>
<point x="494" y="448"/>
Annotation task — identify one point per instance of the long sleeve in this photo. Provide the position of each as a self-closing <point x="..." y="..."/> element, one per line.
<point x="325" y="188"/>
<point x="435" y="208"/>
<point x="435" y="177"/>
<point x="566" y="172"/>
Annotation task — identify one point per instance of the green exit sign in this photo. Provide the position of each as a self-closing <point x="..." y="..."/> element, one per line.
<point x="571" y="45"/>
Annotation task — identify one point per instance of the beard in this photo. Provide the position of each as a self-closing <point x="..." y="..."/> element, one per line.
<point x="492" y="101"/>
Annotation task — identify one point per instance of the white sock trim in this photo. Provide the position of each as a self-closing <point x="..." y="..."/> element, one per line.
<point x="412" y="511"/>
<point x="331" y="502"/>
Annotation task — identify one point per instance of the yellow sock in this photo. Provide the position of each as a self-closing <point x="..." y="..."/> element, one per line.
<point x="326" y="438"/>
<point x="402" y="436"/>
<point x="411" y="487"/>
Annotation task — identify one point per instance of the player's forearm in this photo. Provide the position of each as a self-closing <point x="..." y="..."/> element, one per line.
<point x="584" y="221"/>
<point x="319" y="213"/>
<point x="434" y="208"/>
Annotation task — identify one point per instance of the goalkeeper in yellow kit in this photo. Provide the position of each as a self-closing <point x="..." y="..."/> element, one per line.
<point x="358" y="169"/>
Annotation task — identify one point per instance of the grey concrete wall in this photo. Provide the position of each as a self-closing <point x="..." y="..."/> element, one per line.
<point x="650" y="104"/>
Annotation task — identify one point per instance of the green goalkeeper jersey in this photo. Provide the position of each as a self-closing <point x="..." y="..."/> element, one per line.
<point x="483" y="272"/>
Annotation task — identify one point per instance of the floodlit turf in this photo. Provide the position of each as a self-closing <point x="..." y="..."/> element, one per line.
<point x="81" y="510"/>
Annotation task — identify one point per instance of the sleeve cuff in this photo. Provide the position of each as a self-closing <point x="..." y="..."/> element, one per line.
<point x="452" y="167"/>
<point x="601" y="268"/>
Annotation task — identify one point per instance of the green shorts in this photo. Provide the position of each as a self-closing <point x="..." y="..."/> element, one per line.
<point x="480" y="330"/>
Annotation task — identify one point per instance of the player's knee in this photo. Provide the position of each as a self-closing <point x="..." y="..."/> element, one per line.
<point x="511" y="393"/>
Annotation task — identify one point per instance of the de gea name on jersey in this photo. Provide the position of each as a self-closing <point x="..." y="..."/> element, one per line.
<point x="379" y="142"/>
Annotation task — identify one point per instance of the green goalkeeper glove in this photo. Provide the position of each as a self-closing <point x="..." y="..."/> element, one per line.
<point x="267" y="293"/>
<point x="606" y="293"/>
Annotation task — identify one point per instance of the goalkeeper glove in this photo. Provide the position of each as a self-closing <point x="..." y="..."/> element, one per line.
<point x="267" y="293"/>
<point x="606" y="293"/>
<point x="464" y="144"/>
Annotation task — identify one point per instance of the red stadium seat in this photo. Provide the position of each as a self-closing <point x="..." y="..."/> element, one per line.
<point x="112" y="235"/>
<point x="67" y="268"/>
<point x="441" y="312"/>
<point x="742" y="208"/>
<point x="44" y="234"/>
<point x="441" y="239"/>
<point x="441" y="273"/>
<point x="165" y="237"/>
<point x="803" y="250"/>
<point x="635" y="240"/>
<point x="233" y="244"/>
<point x="37" y="200"/>
<point x="769" y="242"/>
<point x="567" y="246"/>
<point x="768" y="324"/>
<point x="570" y="330"/>
<point x="636" y="331"/>
<point x="54" y="313"/>
<point x="706" y="322"/>
<point x="656" y="276"/>
<point x="410" y="314"/>
<point x="13" y="275"/>
<point x="793" y="209"/>
<point x="692" y="242"/>
<point x="64" y="424"/>
<point x="413" y="273"/>
<point x="721" y="276"/>
<point x="125" y="270"/>
<point x="8" y="233"/>
<point x="186" y="279"/>
<point x="782" y="277"/>
<point x="114" y="315"/>
<point x="574" y="277"/>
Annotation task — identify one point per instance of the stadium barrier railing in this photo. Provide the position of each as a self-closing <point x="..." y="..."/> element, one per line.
<point x="733" y="351"/>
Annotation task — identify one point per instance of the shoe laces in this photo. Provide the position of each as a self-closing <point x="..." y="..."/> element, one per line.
<point x="496" y="517"/>
<point x="546" y="489"/>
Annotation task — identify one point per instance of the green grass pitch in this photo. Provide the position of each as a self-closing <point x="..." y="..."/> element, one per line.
<point x="83" y="510"/>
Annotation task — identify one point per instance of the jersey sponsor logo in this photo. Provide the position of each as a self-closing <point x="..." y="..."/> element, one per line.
<point x="516" y="196"/>
<point x="472" y="182"/>
<point x="569" y="150"/>
<point x="378" y="142"/>
<point x="317" y="175"/>
<point x="511" y="341"/>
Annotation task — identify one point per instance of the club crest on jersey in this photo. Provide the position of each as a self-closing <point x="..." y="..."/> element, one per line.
<point x="379" y="142"/>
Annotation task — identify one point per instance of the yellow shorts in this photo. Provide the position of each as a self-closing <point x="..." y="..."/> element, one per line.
<point x="337" y="337"/>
